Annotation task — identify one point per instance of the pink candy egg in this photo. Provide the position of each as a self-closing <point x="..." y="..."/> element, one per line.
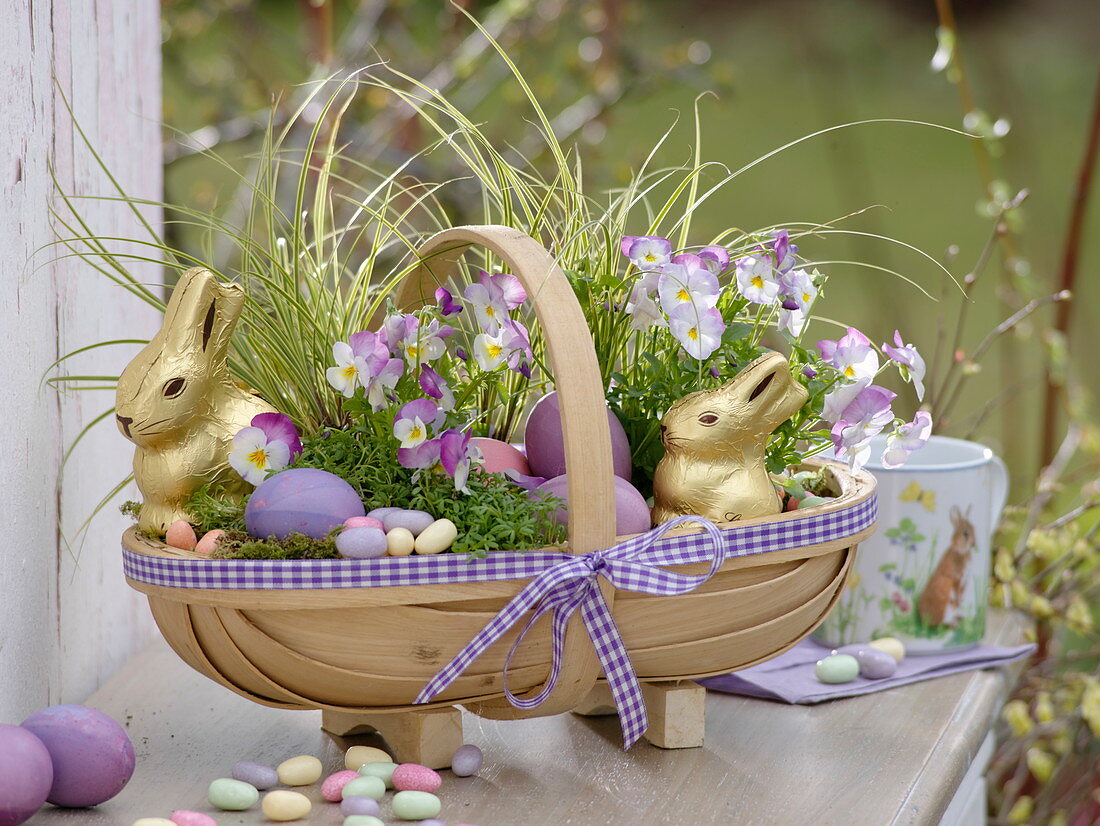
<point x="362" y="522"/>
<point x="181" y="535"/>
<point x="209" y="542"/>
<point x="185" y="817"/>
<point x="333" y="788"/>
<point x="500" y="456"/>
<point x="412" y="777"/>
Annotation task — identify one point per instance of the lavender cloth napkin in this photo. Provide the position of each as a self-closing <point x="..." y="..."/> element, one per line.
<point x="789" y="678"/>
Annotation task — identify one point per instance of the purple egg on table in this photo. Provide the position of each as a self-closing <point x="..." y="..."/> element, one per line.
<point x="92" y="756"/>
<point x="545" y="445"/>
<point x="301" y="500"/>
<point x="875" y="664"/>
<point x="26" y="774"/>
<point x="631" y="511"/>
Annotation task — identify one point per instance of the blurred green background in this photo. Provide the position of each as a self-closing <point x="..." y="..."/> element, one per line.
<point x="621" y="71"/>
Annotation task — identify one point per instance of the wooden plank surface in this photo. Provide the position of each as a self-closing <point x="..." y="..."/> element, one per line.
<point x="892" y="757"/>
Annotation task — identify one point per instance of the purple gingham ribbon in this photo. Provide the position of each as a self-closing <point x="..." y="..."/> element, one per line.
<point x="573" y="585"/>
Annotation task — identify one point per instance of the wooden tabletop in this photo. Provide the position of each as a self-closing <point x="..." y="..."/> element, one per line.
<point x="893" y="757"/>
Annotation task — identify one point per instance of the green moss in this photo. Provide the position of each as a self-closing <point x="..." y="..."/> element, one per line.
<point x="236" y="544"/>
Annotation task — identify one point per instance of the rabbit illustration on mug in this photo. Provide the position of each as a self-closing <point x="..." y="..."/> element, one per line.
<point x="714" y="445"/>
<point x="940" y="600"/>
<point x="178" y="403"/>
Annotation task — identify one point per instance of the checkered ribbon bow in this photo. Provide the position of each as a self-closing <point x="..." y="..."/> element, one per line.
<point x="572" y="586"/>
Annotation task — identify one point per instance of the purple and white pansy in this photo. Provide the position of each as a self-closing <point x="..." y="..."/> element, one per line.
<point x="267" y="445"/>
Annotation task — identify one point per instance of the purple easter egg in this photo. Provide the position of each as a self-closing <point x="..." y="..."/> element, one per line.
<point x="26" y="774"/>
<point x="361" y="543"/>
<point x="545" y="445"/>
<point x="302" y="500"/>
<point x="92" y="755"/>
<point x="631" y="511"/>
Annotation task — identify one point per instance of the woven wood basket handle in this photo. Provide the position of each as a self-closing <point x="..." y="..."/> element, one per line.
<point x="583" y="412"/>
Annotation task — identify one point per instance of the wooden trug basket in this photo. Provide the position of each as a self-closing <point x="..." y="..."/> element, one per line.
<point x="363" y="654"/>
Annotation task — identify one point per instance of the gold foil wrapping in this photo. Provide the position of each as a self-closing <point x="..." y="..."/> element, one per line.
<point x="179" y="404"/>
<point x="715" y="441"/>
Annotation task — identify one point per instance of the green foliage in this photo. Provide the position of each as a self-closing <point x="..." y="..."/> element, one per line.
<point x="237" y="544"/>
<point x="211" y="509"/>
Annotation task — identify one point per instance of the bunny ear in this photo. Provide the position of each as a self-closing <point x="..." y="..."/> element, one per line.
<point x="956" y="515"/>
<point x="201" y="314"/>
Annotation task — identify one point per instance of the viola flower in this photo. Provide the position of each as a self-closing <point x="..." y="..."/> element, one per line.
<point x="517" y="346"/>
<point x="715" y="258"/>
<point x="646" y="252"/>
<point x="426" y="344"/>
<point x="798" y="290"/>
<point x="436" y="386"/>
<point x="489" y="351"/>
<point x="907" y="438"/>
<point x="863" y="418"/>
<point x="492" y="296"/>
<point x="784" y="251"/>
<point x="641" y="307"/>
<point x="838" y="399"/>
<point x="792" y="320"/>
<point x="447" y="304"/>
<point x="349" y="372"/>
<point x="700" y="332"/>
<point x="909" y="362"/>
<point x="411" y="425"/>
<point x="852" y="356"/>
<point x="457" y="455"/>
<point x="686" y="281"/>
<point x="396" y="328"/>
<point x="381" y="385"/>
<point x="424" y="455"/>
<point x="268" y="445"/>
<point x="756" y="279"/>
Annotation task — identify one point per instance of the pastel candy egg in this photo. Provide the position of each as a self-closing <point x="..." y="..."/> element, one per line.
<point x="282" y="805"/>
<point x="814" y="501"/>
<point x="185" y="817"/>
<point x="837" y="668"/>
<point x="413" y="805"/>
<point x="153" y="821"/>
<point x="255" y="774"/>
<point x="875" y="664"/>
<point x="333" y="787"/>
<point x="416" y="778"/>
<point x="92" y="756"/>
<point x="362" y="820"/>
<point x="437" y="537"/>
<point x="300" y="500"/>
<point x="431" y="821"/>
<point x="181" y="535"/>
<point x="26" y="774"/>
<point x="359" y="805"/>
<point x="361" y="543"/>
<point x="400" y="542"/>
<point x="300" y="771"/>
<point x="373" y="787"/>
<point x="209" y="542"/>
<point x="232" y="795"/>
<point x="498" y="456"/>
<point x="381" y="770"/>
<point x="363" y="522"/>
<point x="467" y="760"/>
<point x="357" y="756"/>
<point x="891" y="645"/>
<point x="380" y="513"/>
<point x="413" y="521"/>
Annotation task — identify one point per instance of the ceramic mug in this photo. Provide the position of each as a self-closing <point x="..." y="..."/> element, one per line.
<point x="923" y="576"/>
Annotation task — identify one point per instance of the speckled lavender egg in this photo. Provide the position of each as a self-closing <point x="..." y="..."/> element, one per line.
<point x="255" y="774"/>
<point x="92" y="756"/>
<point x="361" y="543"/>
<point x="467" y="760"/>
<point x="302" y="500"/>
<point x="412" y="521"/>
<point x="545" y="445"/>
<point x="631" y="511"/>
<point x="359" y="805"/>
<point x="875" y="664"/>
<point x="26" y="774"/>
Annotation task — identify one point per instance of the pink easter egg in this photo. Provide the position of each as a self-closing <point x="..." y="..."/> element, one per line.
<point x="500" y="456"/>
<point x="412" y="777"/>
<point x="362" y="522"/>
<point x="631" y="511"/>
<point x="26" y="774"/>
<point x="545" y="444"/>
<point x="209" y="542"/>
<point x="181" y="535"/>
<point x="185" y="817"/>
<point x="333" y="787"/>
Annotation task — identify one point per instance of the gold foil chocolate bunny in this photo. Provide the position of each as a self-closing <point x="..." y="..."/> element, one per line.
<point x="714" y="445"/>
<point x="178" y="403"/>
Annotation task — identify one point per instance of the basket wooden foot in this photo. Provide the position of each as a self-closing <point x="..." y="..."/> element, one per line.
<point x="677" y="711"/>
<point x="429" y="737"/>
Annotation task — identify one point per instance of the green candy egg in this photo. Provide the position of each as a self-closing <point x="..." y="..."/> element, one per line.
<point x="232" y="795"/>
<point x="373" y="787"/>
<point x="415" y="805"/>
<point x="362" y="820"/>
<point x="380" y="770"/>
<point x="838" y="668"/>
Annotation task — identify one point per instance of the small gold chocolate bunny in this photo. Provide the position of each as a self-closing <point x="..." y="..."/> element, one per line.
<point x="178" y="403"/>
<point x="714" y="445"/>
